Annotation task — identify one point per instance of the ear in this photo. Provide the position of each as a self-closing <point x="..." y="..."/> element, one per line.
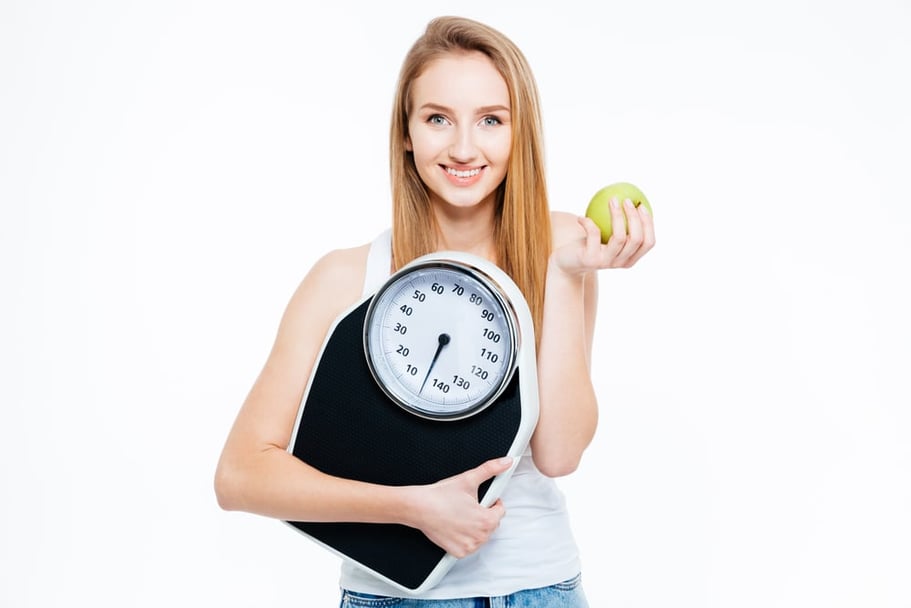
<point x="408" y="146"/>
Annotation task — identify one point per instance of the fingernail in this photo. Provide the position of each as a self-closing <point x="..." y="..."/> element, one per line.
<point x="628" y="203"/>
<point x="614" y="202"/>
<point x="506" y="460"/>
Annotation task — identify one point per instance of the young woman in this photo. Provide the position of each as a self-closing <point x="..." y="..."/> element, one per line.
<point x="467" y="175"/>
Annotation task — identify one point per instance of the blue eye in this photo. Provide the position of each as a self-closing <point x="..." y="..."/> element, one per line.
<point x="490" y="121"/>
<point x="436" y="119"/>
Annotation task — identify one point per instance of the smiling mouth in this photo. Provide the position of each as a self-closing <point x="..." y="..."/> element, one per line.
<point x="457" y="173"/>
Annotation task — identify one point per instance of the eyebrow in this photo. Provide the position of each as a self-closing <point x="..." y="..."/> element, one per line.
<point x="482" y="110"/>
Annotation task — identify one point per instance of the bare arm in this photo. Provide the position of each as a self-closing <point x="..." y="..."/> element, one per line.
<point x="256" y="473"/>
<point x="568" y="405"/>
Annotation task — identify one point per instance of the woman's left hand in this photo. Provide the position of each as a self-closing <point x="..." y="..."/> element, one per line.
<point x="622" y="250"/>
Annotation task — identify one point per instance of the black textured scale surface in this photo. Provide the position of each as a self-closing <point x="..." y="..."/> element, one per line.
<point x="350" y="428"/>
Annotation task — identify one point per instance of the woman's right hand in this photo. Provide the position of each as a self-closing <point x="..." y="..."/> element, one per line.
<point x="449" y="514"/>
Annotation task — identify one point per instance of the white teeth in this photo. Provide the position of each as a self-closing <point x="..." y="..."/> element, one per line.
<point x="469" y="173"/>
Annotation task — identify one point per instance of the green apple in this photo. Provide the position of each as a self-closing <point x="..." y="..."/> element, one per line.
<point x="599" y="207"/>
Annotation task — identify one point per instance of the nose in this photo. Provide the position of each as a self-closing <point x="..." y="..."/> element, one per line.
<point x="463" y="148"/>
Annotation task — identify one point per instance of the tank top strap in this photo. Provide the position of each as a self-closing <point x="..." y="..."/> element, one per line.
<point x="379" y="261"/>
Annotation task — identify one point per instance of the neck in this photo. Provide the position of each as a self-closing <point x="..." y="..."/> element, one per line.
<point x="471" y="231"/>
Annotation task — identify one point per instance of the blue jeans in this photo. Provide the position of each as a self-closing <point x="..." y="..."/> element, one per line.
<point x="567" y="594"/>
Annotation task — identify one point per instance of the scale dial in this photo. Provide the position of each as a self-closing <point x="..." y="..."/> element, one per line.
<point x="441" y="338"/>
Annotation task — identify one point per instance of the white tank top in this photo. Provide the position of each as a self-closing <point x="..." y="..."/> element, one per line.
<point x="533" y="546"/>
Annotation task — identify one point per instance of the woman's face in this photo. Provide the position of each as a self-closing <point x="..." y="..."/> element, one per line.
<point x="460" y="129"/>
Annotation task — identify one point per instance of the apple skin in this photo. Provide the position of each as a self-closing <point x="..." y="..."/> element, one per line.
<point x="599" y="207"/>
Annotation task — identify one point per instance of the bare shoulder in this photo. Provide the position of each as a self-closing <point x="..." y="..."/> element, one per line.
<point x="336" y="280"/>
<point x="565" y="227"/>
<point x="333" y="284"/>
<point x="343" y="265"/>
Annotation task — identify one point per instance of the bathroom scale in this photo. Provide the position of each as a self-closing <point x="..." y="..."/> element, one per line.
<point x="429" y="376"/>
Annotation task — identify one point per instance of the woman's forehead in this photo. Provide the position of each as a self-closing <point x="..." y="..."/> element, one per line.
<point x="466" y="78"/>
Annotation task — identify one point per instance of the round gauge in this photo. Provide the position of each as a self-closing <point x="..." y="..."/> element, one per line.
<point x="441" y="338"/>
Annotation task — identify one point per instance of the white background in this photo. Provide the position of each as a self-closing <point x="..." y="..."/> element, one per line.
<point x="169" y="171"/>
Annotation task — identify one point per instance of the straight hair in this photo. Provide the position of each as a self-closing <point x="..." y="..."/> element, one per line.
<point x="522" y="228"/>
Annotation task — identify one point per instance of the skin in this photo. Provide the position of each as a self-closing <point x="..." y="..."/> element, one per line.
<point x="460" y="121"/>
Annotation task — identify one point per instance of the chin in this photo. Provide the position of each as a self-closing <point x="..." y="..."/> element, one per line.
<point x="466" y="199"/>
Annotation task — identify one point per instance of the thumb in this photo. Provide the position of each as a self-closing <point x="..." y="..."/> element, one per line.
<point x="488" y="469"/>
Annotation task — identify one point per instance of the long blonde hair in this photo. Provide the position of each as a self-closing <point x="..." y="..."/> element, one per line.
<point x="522" y="227"/>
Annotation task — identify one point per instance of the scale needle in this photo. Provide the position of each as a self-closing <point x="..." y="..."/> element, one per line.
<point x="442" y="341"/>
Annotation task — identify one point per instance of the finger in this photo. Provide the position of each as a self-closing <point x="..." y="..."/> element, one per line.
<point x="618" y="234"/>
<point x="488" y="469"/>
<point x="618" y="216"/>
<point x="498" y="509"/>
<point x="633" y="231"/>
<point x="592" y="248"/>
<point x="647" y="228"/>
